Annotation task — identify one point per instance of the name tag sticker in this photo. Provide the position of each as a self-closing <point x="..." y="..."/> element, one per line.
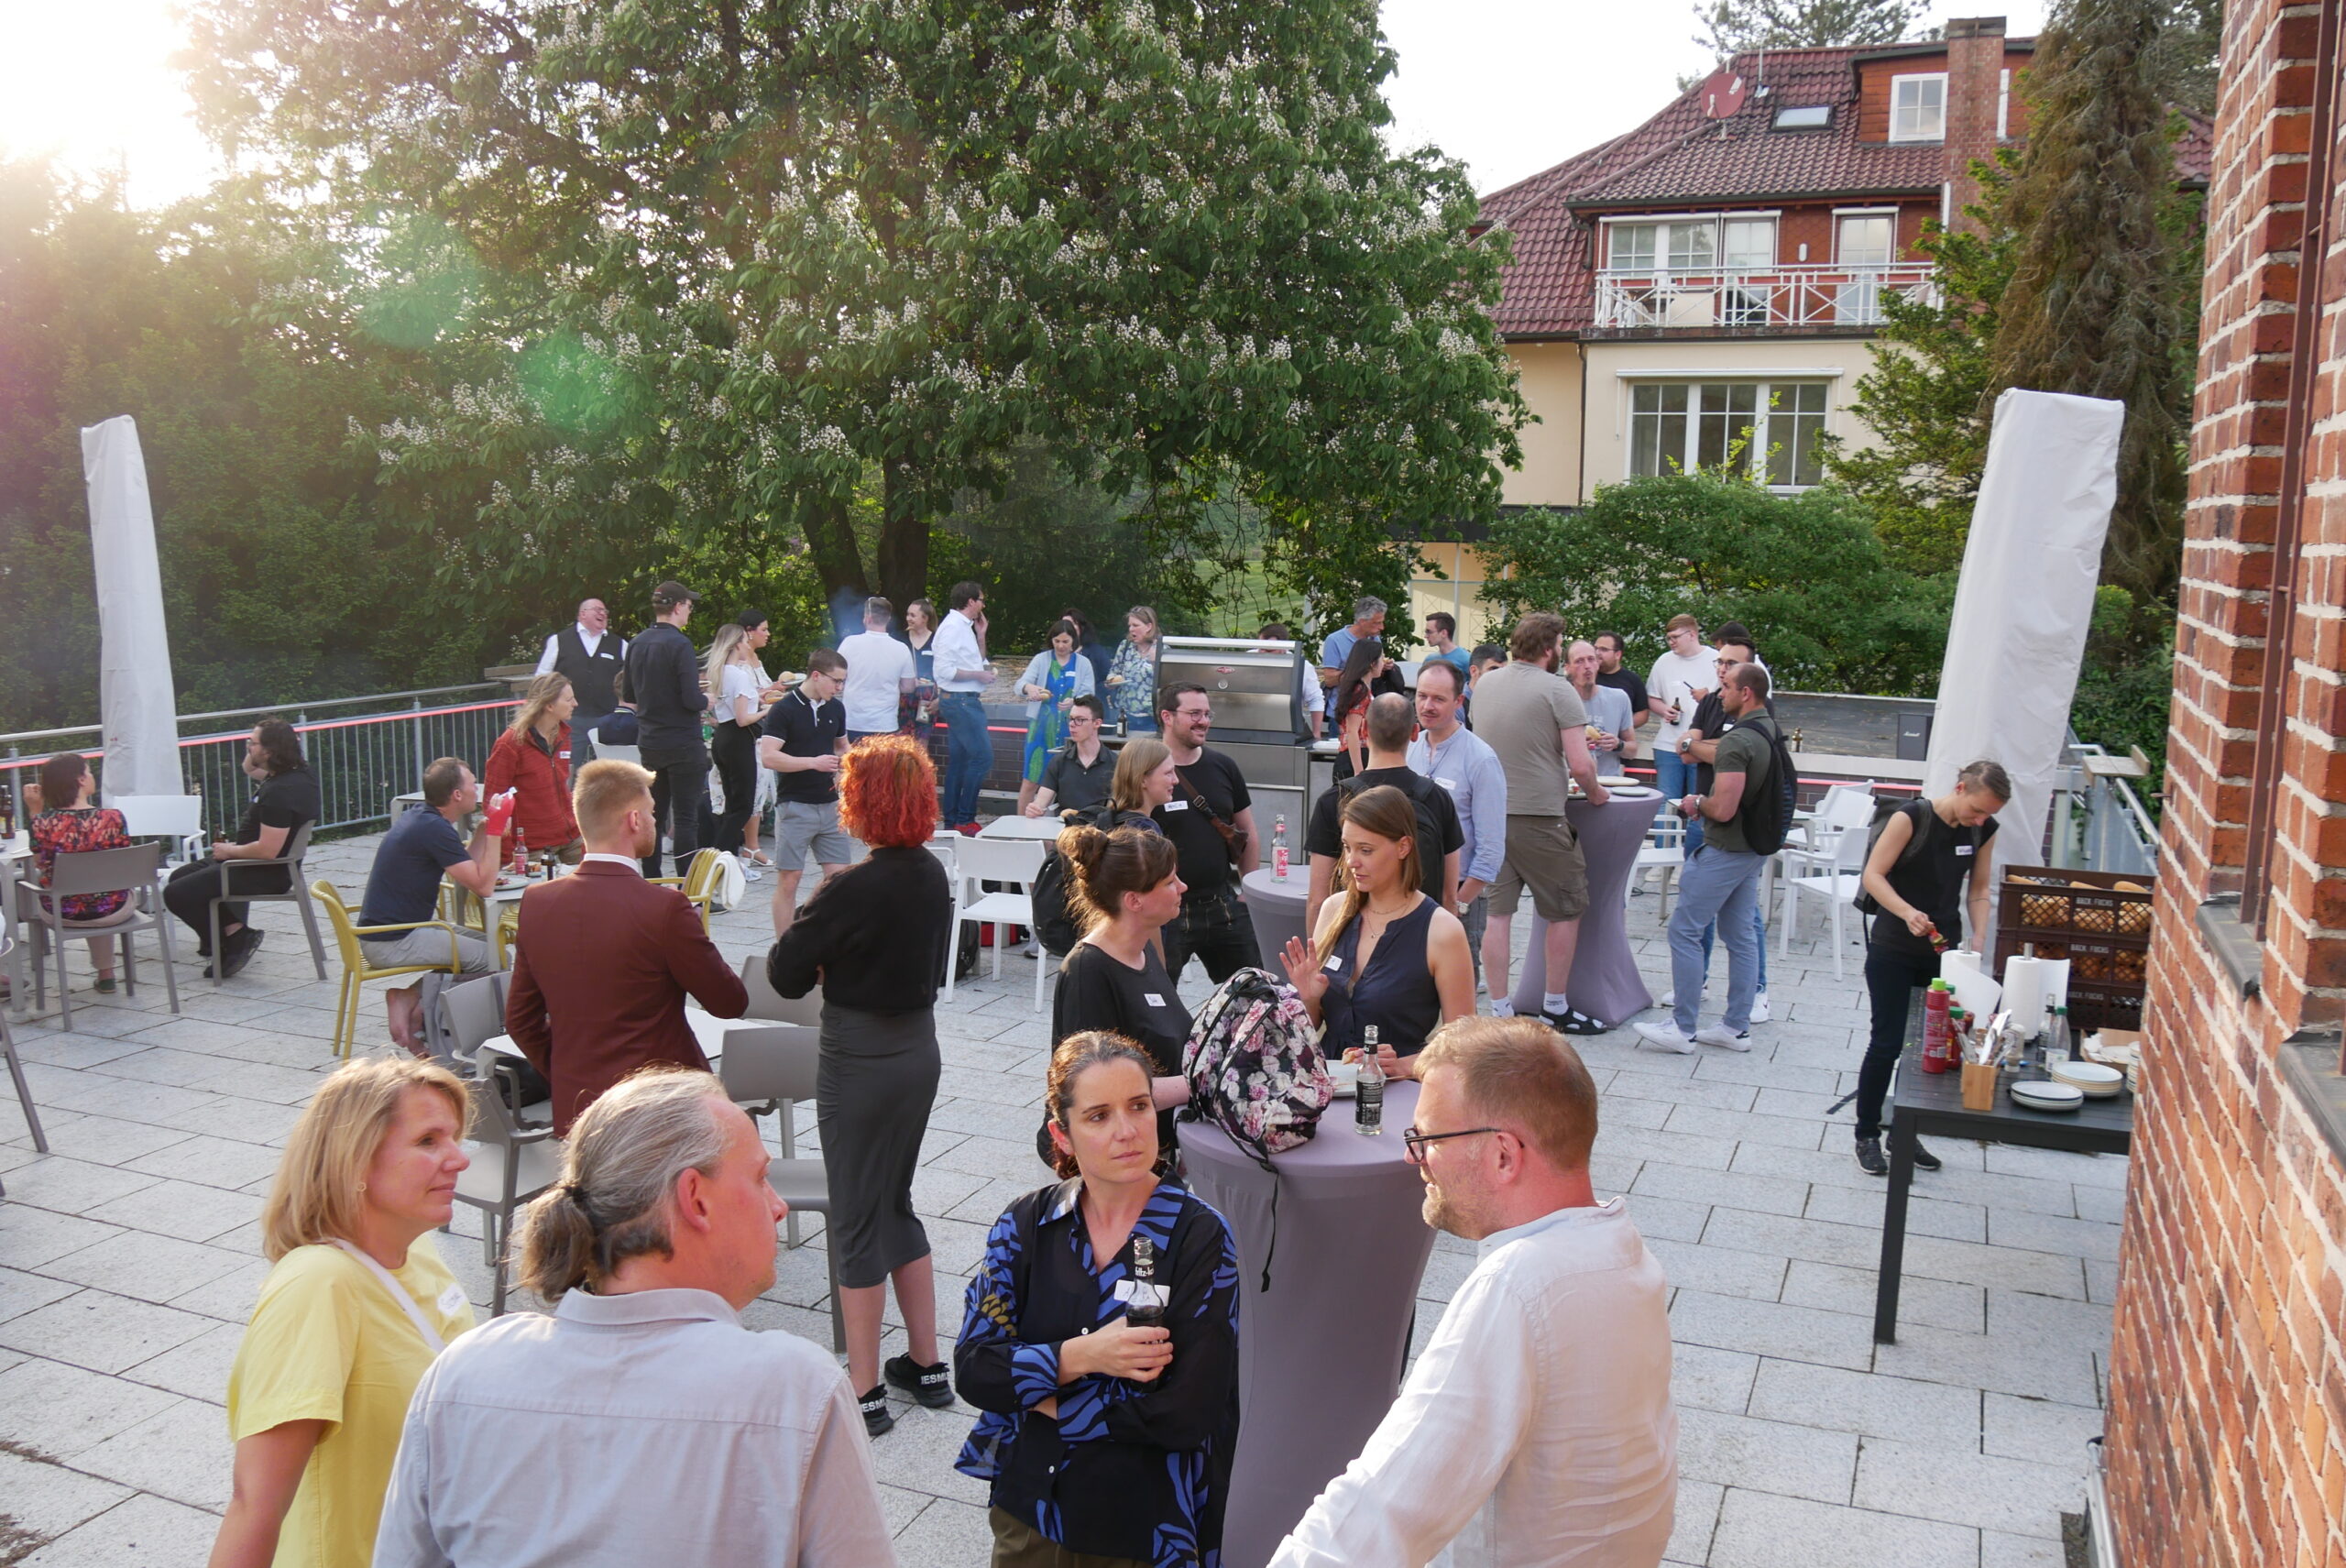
<point x="1177" y="805"/>
<point x="451" y="1301"/>
<point x="1336" y="962"/>
<point x="1963" y="848"/>
<point x="1152" y="999"/>
<point x="1447" y="784"/>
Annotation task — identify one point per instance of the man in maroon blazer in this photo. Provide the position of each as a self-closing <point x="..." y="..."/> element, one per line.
<point x="605" y="959"/>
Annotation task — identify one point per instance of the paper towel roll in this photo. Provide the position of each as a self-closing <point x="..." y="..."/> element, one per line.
<point x="2056" y="981"/>
<point x="2025" y="983"/>
<point x="1958" y="960"/>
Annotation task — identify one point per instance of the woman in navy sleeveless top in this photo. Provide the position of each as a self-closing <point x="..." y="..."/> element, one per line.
<point x="1385" y="953"/>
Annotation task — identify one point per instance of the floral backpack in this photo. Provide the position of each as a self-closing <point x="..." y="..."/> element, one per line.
<point x="1254" y="1065"/>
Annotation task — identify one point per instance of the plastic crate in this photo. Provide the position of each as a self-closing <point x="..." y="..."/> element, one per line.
<point x="2095" y="1007"/>
<point x="2046" y="904"/>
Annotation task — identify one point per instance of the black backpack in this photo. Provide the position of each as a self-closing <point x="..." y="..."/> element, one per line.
<point x="1431" y="854"/>
<point x="1884" y="808"/>
<point x="1055" y="924"/>
<point x="1767" y="816"/>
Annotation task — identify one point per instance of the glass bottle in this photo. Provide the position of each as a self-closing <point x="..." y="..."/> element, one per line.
<point x="1279" y="848"/>
<point x="1368" y="1096"/>
<point x="1145" y="1309"/>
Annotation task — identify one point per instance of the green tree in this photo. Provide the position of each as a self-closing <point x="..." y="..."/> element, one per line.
<point x="698" y="267"/>
<point x="1806" y="572"/>
<point x="1925" y="396"/>
<point x="1731" y="27"/>
<point x="2091" y="305"/>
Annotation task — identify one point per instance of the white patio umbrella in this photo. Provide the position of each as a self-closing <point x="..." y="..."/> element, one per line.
<point x="138" y="704"/>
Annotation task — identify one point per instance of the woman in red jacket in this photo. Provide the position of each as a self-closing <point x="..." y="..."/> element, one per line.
<point x="533" y="757"/>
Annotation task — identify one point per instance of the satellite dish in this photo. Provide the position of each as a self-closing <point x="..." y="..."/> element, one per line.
<point x="1723" y="93"/>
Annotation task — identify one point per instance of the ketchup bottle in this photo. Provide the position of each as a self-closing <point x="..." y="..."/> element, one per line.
<point x="1936" y="1035"/>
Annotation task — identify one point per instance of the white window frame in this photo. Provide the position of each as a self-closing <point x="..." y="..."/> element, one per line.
<point x="1841" y="213"/>
<point x="1718" y="220"/>
<point x="1898" y="81"/>
<point x="1769" y="384"/>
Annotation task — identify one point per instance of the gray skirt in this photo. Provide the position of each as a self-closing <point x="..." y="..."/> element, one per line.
<point x="873" y="1091"/>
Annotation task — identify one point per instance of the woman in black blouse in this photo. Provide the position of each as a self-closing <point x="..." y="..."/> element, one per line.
<point x="873" y="938"/>
<point x="1102" y="1436"/>
<point x="1123" y="887"/>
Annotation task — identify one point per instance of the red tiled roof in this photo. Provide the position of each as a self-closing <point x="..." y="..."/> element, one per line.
<point x="1683" y="156"/>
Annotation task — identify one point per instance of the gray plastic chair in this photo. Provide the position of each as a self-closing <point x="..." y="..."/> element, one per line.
<point x="137" y="870"/>
<point x="473" y="1010"/>
<point x="16" y="1069"/>
<point x="765" y="1002"/>
<point x="511" y="1164"/>
<point x="297" y="893"/>
<point x="770" y="1068"/>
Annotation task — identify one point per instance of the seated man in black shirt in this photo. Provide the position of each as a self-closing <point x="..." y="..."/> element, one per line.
<point x="1392" y="724"/>
<point x="802" y="738"/>
<point x="1210" y="802"/>
<point x="1076" y="779"/>
<point x="287" y="797"/>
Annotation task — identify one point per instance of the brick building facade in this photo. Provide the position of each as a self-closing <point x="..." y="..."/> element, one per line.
<point x="2227" y="1419"/>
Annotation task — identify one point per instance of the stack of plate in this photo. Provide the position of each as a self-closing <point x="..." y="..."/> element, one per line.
<point x="2088" y="1078"/>
<point x="2034" y="1094"/>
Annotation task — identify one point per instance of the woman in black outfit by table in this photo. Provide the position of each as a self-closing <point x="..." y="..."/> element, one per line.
<point x="1123" y="886"/>
<point x="1105" y="1440"/>
<point x="873" y="938"/>
<point x="1930" y="863"/>
<point x="1385" y="953"/>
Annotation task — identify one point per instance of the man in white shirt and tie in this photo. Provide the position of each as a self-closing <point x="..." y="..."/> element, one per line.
<point x="962" y="676"/>
<point x="589" y="655"/>
<point x="1536" y="1430"/>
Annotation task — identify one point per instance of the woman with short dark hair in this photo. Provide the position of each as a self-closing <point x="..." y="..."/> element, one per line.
<point x="1101" y="1339"/>
<point x="285" y="798"/>
<point x="70" y="823"/>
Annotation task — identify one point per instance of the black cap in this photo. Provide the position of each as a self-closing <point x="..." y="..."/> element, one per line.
<point x="670" y="594"/>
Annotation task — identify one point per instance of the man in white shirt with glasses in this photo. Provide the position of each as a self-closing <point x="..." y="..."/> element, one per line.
<point x="1536" y="1430"/>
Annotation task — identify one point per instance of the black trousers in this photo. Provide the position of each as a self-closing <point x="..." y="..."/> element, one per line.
<point x="735" y="752"/>
<point x="192" y="889"/>
<point x="1217" y="929"/>
<point x="1892" y="976"/>
<point x="679" y="800"/>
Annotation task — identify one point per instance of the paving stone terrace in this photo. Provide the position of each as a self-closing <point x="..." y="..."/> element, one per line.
<point x="129" y="1260"/>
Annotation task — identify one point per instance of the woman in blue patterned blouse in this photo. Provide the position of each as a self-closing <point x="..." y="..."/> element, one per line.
<point x="1102" y="1438"/>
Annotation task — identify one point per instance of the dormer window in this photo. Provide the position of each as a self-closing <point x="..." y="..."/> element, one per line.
<point x="1918" y="107"/>
<point x="1804" y="117"/>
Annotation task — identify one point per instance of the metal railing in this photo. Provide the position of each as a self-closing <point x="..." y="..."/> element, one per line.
<point x="2099" y="822"/>
<point x="1797" y="296"/>
<point x="362" y="759"/>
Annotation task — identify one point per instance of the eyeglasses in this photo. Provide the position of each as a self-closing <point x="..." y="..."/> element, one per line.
<point x="1413" y="1142"/>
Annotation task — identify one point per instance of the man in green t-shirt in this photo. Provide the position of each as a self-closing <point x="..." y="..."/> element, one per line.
<point x="1720" y="879"/>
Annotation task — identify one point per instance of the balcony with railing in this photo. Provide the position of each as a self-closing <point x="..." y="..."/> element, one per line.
<point x="1754" y="299"/>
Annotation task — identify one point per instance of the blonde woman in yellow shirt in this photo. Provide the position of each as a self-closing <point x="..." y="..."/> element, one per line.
<point x="352" y="1312"/>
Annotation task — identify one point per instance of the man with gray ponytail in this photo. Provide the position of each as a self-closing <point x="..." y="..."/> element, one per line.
<point x="640" y="1423"/>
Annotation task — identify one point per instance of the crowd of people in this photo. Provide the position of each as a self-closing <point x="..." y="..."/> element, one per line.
<point x="374" y="1421"/>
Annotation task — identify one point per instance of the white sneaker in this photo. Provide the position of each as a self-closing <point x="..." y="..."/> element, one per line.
<point x="752" y="873"/>
<point x="1760" y="1013"/>
<point x="1719" y="1035"/>
<point x="1669" y="999"/>
<point x="1667" y="1037"/>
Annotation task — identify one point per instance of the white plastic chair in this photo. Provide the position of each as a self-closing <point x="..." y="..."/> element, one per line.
<point x="1006" y="861"/>
<point x="946" y="847"/>
<point x="1837" y="882"/>
<point x="179" y="817"/>
<point x="1662" y="853"/>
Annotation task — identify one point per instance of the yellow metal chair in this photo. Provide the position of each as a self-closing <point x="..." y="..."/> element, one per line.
<point x="356" y="968"/>
<point x="699" y="884"/>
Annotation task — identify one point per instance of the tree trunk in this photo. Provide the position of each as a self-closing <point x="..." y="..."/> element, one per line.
<point x="904" y="536"/>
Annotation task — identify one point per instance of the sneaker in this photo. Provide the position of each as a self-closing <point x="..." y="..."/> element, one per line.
<point x="1869" y="1158"/>
<point x="105" y="986"/>
<point x="241" y="949"/>
<point x="1923" y="1159"/>
<point x="1669" y="999"/>
<point x="1667" y="1037"/>
<point x="1727" y="1039"/>
<point x="1572" y="1021"/>
<point x="877" y="1420"/>
<point x="967" y="829"/>
<point x="1760" y="1013"/>
<point x="932" y="1386"/>
<point x="749" y="872"/>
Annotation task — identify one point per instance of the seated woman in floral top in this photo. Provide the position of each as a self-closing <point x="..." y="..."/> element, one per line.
<point x="1103" y="1438"/>
<point x="70" y="825"/>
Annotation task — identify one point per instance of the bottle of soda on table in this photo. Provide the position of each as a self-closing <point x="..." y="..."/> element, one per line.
<point x="1279" y="848"/>
<point x="520" y="852"/>
<point x="1368" y="1095"/>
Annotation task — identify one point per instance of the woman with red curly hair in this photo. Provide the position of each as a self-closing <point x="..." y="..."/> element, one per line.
<point x="873" y="938"/>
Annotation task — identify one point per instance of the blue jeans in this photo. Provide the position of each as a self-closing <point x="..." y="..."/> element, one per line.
<point x="1675" y="776"/>
<point x="1759" y="923"/>
<point x="1716" y="887"/>
<point x="968" y="756"/>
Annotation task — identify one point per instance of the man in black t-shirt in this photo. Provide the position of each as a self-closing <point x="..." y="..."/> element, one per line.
<point x="801" y="739"/>
<point x="1612" y="671"/>
<point x="1391" y="726"/>
<point x="286" y="797"/>
<point x="1214" y="923"/>
<point x="1078" y="776"/>
<point x="663" y="682"/>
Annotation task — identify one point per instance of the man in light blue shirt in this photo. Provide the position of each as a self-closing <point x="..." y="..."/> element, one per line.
<point x="1464" y="763"/>
<point x="962" y="675"/>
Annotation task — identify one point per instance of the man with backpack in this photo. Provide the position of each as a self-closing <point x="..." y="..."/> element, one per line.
<point x="1700" y="746"/>
<point x="1745" y="811"/>
<point x="1439" y="836"/>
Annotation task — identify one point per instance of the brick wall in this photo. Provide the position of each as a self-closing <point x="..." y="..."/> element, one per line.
<point x="2227" y="1421"/>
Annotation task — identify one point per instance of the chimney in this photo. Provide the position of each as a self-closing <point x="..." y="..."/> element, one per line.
<point x="1975" y="69"/>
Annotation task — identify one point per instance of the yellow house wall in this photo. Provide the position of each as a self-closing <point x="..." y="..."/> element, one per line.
<point x="1549" y="375"/>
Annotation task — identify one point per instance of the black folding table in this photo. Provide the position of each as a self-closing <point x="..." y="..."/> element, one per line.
<point x="1932" y="1102"/>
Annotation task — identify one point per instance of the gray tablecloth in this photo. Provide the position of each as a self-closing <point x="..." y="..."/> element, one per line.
<point x="1320" y="1354"/>
<point x="1276" y="909"/>
<point x="1605" y="983"/>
